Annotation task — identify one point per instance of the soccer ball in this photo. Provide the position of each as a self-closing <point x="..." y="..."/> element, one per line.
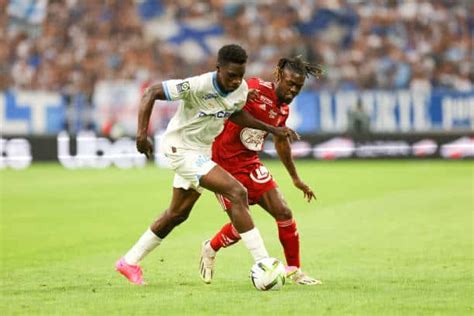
<point x="268" y="274"/>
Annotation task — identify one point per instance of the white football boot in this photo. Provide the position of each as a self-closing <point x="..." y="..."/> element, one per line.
<point x="208" y="260"/>
<point x="299" y="277"/>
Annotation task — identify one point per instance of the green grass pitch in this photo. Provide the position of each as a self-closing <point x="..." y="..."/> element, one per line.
<point x="385" y="237"/>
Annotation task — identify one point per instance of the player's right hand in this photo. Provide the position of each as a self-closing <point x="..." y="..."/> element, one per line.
<point x="144" y="146"/>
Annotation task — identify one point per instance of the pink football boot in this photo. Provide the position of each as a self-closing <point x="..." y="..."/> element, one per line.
<point x="133" y="273"/>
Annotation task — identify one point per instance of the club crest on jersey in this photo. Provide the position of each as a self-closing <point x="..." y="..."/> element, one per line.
<point x="183" y="86"/>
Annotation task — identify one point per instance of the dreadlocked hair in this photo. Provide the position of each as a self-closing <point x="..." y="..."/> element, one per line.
<point x="298" y="65"/>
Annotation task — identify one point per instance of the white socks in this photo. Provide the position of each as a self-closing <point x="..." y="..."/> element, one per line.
<point x="254" y="243"/>
<point x="149" y="241"/>
<point x="143" y="246"/>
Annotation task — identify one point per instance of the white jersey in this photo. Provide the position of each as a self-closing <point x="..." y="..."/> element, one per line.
<point x="202" y="111"/>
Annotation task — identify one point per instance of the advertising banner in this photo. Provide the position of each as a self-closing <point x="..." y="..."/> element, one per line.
<point x="388" y="111"/>
<point x="31" y="112"/>
<point x="87" y="150"/>
<point x="114" y="110"/>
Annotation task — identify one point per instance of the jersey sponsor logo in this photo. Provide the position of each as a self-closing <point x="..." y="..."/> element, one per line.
<point x="260" y="175"/>
<point x="183" y="86"/>
<point x="252" y="139"/>
<point x="219" y="115"/>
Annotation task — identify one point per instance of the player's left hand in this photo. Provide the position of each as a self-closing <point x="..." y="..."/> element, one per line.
<point x="307" y="191"/>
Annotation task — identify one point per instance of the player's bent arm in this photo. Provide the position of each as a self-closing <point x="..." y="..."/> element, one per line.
<point x="243" y="118"/>
<point x="283" y="148"/>
<point x="152" y="93"/>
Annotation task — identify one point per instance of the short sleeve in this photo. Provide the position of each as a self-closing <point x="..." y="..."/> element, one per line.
<point x="181" y="88"/>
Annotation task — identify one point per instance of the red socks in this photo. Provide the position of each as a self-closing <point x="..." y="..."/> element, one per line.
<point x="287" y="233"/>
<point x="290" y="240"/>
<point x="227" y="236"/>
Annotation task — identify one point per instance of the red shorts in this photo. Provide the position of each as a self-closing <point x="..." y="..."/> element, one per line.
<point x="257" y="180"/>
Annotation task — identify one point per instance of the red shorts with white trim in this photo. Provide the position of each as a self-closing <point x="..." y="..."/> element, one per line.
<point x="258" y="181"/>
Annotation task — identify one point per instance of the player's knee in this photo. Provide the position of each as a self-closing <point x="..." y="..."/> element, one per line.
<point x="238" y="194"/>
<point x="283" y="213"/>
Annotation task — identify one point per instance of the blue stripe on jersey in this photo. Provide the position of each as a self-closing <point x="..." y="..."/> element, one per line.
<point x="167" y="93"/>
<point x="216" y="86"/>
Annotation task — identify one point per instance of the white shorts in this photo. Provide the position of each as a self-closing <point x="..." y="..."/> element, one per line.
<point x="189" y="166"/>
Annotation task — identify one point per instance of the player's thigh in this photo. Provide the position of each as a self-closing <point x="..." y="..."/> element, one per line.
<point x="220" y="181"/>
<point x="274" y="203"/>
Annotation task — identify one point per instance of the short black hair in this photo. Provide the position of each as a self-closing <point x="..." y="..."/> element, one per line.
<point x="298" y="65"/>
<point x="232" y="53"/>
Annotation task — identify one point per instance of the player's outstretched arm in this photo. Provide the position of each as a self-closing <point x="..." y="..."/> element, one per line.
<point x="283" y="149"/>
<point x="243" y="118"/>
<point x="152" y="93"/>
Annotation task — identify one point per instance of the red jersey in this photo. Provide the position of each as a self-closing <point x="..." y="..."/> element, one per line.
<point x="236" y="148"/>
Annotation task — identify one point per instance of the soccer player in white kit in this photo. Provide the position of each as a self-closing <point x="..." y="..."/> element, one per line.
<point x="206" y="102"/>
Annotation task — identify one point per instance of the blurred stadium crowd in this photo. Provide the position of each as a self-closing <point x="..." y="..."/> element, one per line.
<point x="69" y="45"/>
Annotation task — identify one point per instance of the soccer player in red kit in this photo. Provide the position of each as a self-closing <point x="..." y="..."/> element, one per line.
<point x="236" y="150"/>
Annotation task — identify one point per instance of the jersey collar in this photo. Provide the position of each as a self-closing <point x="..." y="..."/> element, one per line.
<point x="216" y="86"/>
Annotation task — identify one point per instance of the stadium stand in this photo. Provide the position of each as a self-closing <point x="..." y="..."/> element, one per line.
<point x="70" y="45"/>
